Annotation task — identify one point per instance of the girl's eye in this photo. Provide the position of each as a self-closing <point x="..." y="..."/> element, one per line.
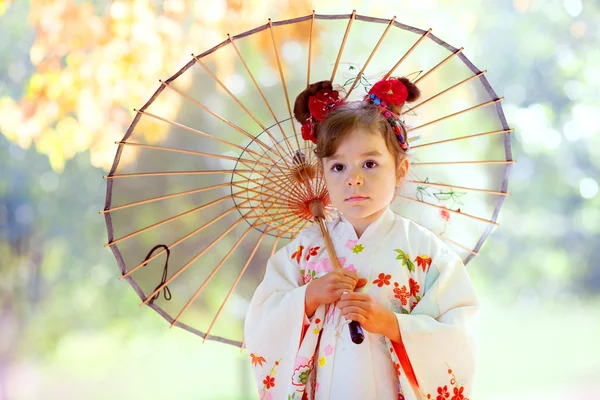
<point x="340" y="167"/>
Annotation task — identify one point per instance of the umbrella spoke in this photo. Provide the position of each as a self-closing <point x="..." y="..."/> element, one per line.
<point x="237" y="281"/>
<point x="264" y="128"/>
<point x="264" y="197"/>
<point x="176" y="274"/>
<point x="407" y="53"/>
<point x="457" y="113"/>
<point x="358" y="77"/>
<point x="181" y="240"/>
<point x="164" y="221"/>
<point x="310" y="37"/>
<point x="457" y="52"/>
<point x="290" y="150"/>
<point x="443" y="237"/>
<point x="339" y="56"/>
<point x="204" y="172"/>
<point x="460" y="187"/>
<point x="168" y="196"/>
<point x="287" y="97"/>
<point x="237" y="146"/>
<point x="445" y="90"/>
<point x="194" y="153"/>
<point x="465" y="162"/>
<point x="464" y="137"/>
<point x="449" y="210"/>
<point x="281" y="183"/>
<point x="231" y="124"/>
<point x="217" y="268"/>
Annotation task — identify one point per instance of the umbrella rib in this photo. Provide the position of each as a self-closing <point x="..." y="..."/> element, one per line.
<point x="260" y="194"/>
<point x="339" y="56"/>
<point x="407" y="53"/>
<point x="190" y="152"/>
<point x="490" y="162"/>
<point x="460" y="187"/>
<point x="457" y="244"/>
<point x="261" y="185"/>
<point x="287" y="98"/>
<point x="168" y="196"/>
<point x="164" y="221"/>
<point x="203" y="172"/>
<point x="299" y="230"/>
<point x="237" y="281"/>
<point x="303" y="195"/>
<point x="243" y="161"/>
<point x="464" y="137"/>
<point x="312" y="21"/>
<point x="237" y="146"/>
<point x="446" y="90"/>
<point x="181" y="240"/>
<point x="270" y="220"/>
<point x="264" y="128"/>
<point x="457" y="113"/>
<point x="267" y="153"/>
<point x="450" y="210"/>
<point x="176" y="274"/>
<point x="213" y="273"/>
<point x="259" y="91"/>
<point x="445" y="60"/>
<point x="281" y="182"/>
<point x="370" y="57"/>
<point x="266" y="198"/>
<point x="208" y="110"/>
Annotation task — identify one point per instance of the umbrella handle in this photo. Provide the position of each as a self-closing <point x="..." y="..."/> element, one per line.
<point x="317" y="210"/>
<point x="356" y="332"/>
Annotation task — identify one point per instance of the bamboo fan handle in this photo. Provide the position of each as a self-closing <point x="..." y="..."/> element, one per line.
<point x="316" y="208"/>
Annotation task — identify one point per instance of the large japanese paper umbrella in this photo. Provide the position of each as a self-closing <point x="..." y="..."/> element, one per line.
<point x="199" y="199"/>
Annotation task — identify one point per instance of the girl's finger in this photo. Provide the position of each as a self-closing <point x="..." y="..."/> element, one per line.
<point x="343" y="285"/>
<point x="355" y="317"/>
<point x="347" y="304"/>
<point x="361" y="282"/>
<point x="350" y="274"/>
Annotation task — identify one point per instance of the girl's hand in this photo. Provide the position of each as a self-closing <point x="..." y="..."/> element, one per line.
<point x="330" y="287"/>
<point x="371" y="315"/>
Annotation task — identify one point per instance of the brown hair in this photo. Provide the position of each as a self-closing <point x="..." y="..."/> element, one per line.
<point x="350" y="116"/>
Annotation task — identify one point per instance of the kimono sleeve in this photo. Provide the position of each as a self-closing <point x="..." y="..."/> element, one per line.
<point x="438" y="347"/>
<point x="275" y="324"/>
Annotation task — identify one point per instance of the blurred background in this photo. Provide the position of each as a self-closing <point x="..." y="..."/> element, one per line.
<point x="71" y="73"/>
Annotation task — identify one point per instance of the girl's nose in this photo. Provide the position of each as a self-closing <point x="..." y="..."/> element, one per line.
<point x="355" y="180"/>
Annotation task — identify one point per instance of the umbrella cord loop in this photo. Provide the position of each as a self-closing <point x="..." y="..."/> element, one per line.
<point x="166" y="290"/>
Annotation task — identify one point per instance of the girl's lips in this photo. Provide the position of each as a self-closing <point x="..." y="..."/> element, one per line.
<point x="357" y="198"/>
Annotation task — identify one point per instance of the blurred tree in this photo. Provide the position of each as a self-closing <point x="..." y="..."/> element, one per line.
<point x="93" y="62"/>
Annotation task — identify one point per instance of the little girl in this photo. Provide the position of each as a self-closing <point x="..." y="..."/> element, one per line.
<point x="410" y="293"/>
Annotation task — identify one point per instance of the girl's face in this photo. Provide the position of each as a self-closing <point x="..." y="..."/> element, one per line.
<point x="362" y="166"/>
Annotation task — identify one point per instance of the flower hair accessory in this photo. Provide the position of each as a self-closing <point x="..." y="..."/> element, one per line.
<point x="319" y="105"/>
<point x="390" y="92"/>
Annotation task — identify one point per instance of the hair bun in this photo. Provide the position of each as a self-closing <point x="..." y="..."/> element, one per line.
<point x="413" y="91"/>
<point x="301" y="111"/>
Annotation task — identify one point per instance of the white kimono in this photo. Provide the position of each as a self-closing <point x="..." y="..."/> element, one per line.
<point x="410" y="271"/>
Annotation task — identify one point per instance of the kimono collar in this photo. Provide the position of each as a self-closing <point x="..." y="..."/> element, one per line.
<point x="377" y="230"/>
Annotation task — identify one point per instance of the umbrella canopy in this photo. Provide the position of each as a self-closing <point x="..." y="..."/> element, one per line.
<point x="201" y="195"/>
